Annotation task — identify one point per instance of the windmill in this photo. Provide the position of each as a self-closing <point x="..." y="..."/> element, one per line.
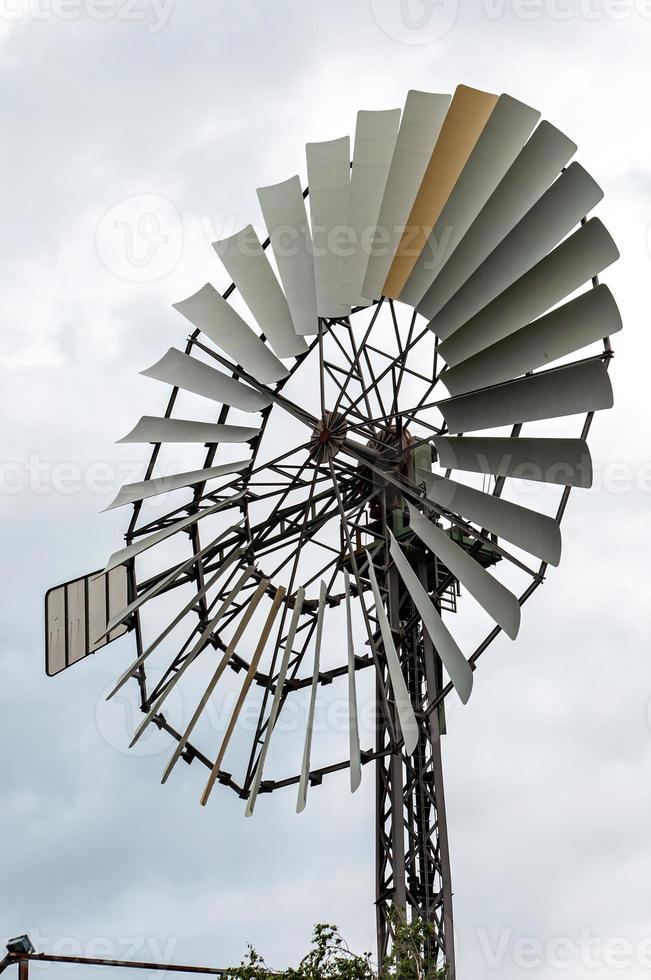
<point x="359" y="406"/>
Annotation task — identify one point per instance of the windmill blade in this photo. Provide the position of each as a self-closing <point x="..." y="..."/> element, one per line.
<point x="214" y="316"/>
<point x="277" y="698"/>
<point x="540" y="162"/>
<point x="458" y="668"/>
<point x="577" y="260"/>
<point x="191" y="605"/>
<point x="131" y="493"/>
<point x="404" y="707"/>
<point x="328" y="175"/>
<point x="248" y="680"/>
<point x="245" y="261"/>
<point x="569" y="328"/>
<point x="128" y="610"/>
<point x="527" y="529"/>
<point x="199" y="646"/>
<point x="502" y="139"/>
<point x="307" y="749"/>
<point x="562" y="207"/>
<point x="283" y="209"/>
<point x="571" y="390"/>
<point x="565" y="462"/>
<point x="469" y="112"/>
<point x="422" y="118"/>
<point x="500" y="604"/>
<point x="143" y="544"/>
<point x="151" y="429"/>
<point x="182" y="371"/>
<point x="353" y="721"/>
<point x="375" y="140"/>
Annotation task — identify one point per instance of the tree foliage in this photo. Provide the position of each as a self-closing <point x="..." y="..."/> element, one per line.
<point x="330" y="958"/>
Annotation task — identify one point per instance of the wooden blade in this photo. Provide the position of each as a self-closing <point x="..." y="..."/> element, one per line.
<point x="248" y="680"/>
<point x="275" y="706"/>
<point x="200" y="645"/>
<point x="221" y="667"/>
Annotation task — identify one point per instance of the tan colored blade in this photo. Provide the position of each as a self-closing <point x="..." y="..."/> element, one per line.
<point x="275" y="707"/>
<point x="194" y="653"/>
<point x="248" y="680"/>
<point x="469" y="112"/>
<point x="223" y="664"/>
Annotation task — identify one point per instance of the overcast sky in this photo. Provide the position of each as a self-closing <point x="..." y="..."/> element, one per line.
<point x="197" y="102"/>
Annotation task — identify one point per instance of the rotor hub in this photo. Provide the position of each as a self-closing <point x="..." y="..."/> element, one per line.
<point x="327" y="437"/>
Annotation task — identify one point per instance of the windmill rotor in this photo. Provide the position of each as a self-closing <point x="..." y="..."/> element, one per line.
<point x="422" y="328"/>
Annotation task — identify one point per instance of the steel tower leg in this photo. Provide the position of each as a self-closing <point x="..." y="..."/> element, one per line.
<point x="413" y="859"/>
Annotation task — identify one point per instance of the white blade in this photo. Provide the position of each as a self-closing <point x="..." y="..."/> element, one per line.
<point x="582" y="256"/>
<point x="421" y="123"/>
<point x="307" y="750"/>
<point x="565" y="462"/>
<point x="246" y="263"/>
<point x="214" y="316"/>
<point x="572" y="390"/>
<point x="183" y="371"/>
<point x="275" y="706"/>
<point x="539" y="163"/>
<point x="284" y="213"/>
<point x="191" y="605"/>
<point x="143" y="544"/>
<point x="353" y="722"/>
<point x="404" y="707"/>
<point x="248" y="680"/>
<point x="144" y="597"/>
<point x="500" y="604"/>
<point x="562" y="207"/>
<point x="328" y="176"/>
<point x="458" y="668"/>
<point x="200" y="645"/>
<point x="502" y="139"/>
<point x="152" y="429"/>
<point x="567" y="329"/>
<point x="375" y="140"/>
<point x="533" y="532"/>
<point x="131" y="493"/>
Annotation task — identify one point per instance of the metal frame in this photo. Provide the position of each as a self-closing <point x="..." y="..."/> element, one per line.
<point x="412" y="853"/>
